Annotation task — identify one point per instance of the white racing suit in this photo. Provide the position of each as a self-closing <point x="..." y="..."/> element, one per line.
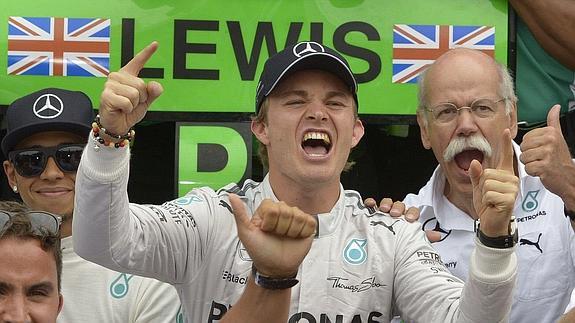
<point x="362" y="267"/>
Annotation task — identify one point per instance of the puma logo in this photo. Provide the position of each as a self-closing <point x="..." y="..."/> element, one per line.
<point x="531" y="243"/>
<point x="226" y="205"/>
<point x="389" y="227"/>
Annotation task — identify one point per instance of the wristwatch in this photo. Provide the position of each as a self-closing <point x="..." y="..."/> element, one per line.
<point x="501" y="242"/>
<point x="273" y="283"/>
<point x="569" y="214"/>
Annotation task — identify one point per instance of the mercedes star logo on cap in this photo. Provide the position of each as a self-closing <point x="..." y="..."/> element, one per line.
<point x="306" y="48"/>
<point x="48" y="106"/>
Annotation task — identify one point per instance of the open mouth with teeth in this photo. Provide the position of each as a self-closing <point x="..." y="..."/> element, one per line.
<point x="464" y="158"/>
<point x="316" y="143"/>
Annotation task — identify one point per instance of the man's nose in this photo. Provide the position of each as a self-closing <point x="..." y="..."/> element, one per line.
<point x="317" y="111"/>
<point x="52" y="171"/>
<point x="466" y="124"/>
<point x="16" y="311"/>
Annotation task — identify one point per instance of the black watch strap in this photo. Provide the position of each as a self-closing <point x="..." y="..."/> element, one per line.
<point x="273" y="283"/>
<point x="569" y="214"/>
<point x="501" y="242"/>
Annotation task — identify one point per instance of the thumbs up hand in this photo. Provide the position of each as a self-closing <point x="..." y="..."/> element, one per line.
<point x="126" y="97"/>
<point x="495" y="191"/>
<point x="546" y="154"/>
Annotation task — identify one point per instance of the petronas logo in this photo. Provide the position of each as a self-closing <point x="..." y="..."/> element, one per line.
<point x="180" y="315"/>
<point x="120" y="286"/>
<point x="355" y="252"/>
<point x="530" y="201"/>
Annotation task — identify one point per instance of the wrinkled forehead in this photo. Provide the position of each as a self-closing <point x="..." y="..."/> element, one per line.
<point x="462" y="77"/>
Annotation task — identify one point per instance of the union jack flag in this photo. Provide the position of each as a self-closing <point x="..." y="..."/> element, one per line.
<point x="58" y="46"/>
<point x="417" y="46"/>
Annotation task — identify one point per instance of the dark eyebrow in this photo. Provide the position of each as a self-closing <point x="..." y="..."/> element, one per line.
<point x="48" y="286"/>
<point x="6" y="286"/>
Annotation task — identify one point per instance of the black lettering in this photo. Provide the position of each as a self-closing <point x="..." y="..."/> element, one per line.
<point x="372" y="315"/>
<point x="293" y="33"/>
<point x="356" y="319"/>
<point x="211" y="157"/>
<point x="221" y="308"/>
<point x="324" y="319"/>
<point x="302" y="315"/>
<point x="127" y="51"/>
<point x="264" y="32"/>
<point x="371" y="57"/>
<point x="316" y="32"/>
<point x="182" y="48"/>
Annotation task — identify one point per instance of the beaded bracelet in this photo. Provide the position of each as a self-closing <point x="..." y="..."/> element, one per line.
<point x="125" y="139"/>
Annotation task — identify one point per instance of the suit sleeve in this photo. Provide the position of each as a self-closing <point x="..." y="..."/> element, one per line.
<point x="168" y="242"/>
<point x="425" y="291"/>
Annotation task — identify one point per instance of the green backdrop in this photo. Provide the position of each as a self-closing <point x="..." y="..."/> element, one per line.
<point x="227" y="42"/>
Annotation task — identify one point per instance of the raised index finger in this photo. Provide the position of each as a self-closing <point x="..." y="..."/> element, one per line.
<point x="506" y="160"/>
<point x="135" y="65"/>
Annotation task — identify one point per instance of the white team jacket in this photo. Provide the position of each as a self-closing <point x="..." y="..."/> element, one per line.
<point x="360" y="268"/>
<point x="94" y="294"/>
<point x="545" y="274"/>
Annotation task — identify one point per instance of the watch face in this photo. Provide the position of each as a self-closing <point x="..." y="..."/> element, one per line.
<point x="512" y="225"/>
<point x="513" y="229"/>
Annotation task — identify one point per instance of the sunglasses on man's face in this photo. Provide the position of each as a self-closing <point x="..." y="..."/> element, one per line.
<point x="31" y="162"/>
<point x="41" y="222"/>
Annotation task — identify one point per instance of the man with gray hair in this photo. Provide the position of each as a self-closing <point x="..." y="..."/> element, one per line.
<point x="466" y="108"/>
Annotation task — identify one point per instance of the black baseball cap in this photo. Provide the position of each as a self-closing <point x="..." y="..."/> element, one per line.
<point x="47" y="110"/>
<point x="303" y="56"/>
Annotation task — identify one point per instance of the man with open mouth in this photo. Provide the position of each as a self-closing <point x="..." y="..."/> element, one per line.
<point x="466" y="105"/>
<point x="315" y="253"/>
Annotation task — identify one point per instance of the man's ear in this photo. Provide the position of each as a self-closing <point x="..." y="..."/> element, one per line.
<point x="423" y="129"/>
<point x="513" y="120"/>
<point x="60" y="303"/>
<point x="10" y="173"/>
<point x="358" y="132"/>
<point x="260" y="130"/>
